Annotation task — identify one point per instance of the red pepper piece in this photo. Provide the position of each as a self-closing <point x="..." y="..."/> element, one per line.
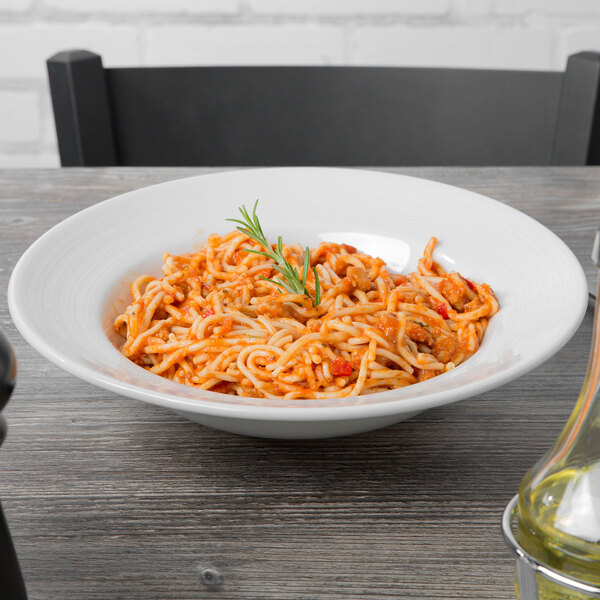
<point x="341" y="367"/>
<point x="442" y="310"/>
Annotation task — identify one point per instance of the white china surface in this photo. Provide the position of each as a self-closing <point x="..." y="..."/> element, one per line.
<point x="70" y="284"/>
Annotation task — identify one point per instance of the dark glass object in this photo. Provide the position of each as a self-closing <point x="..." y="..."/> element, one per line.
<point x="12" y="585"/>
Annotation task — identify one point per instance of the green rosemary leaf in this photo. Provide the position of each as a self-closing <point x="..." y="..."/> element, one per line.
<point x="287" y="286"/>
<point x="282" y="284"/>
<point x="257" y="252"/>
<point x="244" y="212"/>
<point x="292" y="281"/>
<point x="305" y="267"/>
<point x="281" y="270"/>
<point x="242" y="223"/>
<point x="317" y="299"/>
<point x="256" y="221"/>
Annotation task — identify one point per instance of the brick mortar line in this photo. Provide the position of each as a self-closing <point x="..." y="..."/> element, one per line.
<point x="184" y="18"/>
<point x="454" y="14"/>
<point x="11" y="84"/>
<point x="12" y="148"/>
<point x="243" y="13"/>
<point x="128" y="20"/>
<point x="387" y="20"/>
<point x="560" y="22"/>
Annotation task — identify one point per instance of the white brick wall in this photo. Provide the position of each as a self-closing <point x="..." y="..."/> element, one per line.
<point x="350" y="7"/>
<point x="16" y="5"/>
<point x="137" y="7"/>
<point x="453" y="46"/>
<point x="24" y="48"/>
<point x="20" y="116"/>
<point x="292" y="44"/>
<point x="516" y="34"/>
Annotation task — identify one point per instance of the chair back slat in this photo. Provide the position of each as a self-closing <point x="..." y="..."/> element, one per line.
<point x="335" y="116"/>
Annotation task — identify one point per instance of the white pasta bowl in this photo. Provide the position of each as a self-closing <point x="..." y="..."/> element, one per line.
<point x="70" y="284"/>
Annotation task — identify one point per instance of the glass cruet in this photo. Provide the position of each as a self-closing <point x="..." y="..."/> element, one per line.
<point x="557" y="510"/>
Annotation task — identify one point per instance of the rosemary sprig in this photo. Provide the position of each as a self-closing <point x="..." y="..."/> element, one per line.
<point x="291" y="281"/>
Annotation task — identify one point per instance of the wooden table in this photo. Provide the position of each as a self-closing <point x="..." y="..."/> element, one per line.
<point x="108" y="497"/>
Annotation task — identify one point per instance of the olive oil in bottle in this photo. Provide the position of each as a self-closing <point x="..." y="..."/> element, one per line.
<point x="559" y="524"/>
<point x="558" y="516"/>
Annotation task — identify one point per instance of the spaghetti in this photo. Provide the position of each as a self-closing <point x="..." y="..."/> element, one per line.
<point x="214" y="322"/>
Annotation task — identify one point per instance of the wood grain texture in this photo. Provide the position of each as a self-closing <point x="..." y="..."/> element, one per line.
<point x="107" y="497"/>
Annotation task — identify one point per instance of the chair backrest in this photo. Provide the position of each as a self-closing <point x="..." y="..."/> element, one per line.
<point x="327" y="116"/>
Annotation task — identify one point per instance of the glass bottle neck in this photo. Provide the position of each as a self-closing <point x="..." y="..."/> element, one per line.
<point x="579" y="441"/>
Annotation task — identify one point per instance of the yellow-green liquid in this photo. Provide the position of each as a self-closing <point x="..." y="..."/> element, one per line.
<point x="542" y="535"/>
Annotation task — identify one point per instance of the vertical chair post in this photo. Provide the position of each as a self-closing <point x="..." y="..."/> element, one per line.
<point x="577" y="132"/>
<point x="81" y="109"/>
<point x="11" y="580"/>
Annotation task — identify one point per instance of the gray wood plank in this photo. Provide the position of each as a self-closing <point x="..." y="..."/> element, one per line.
<point x="110" y="498"/>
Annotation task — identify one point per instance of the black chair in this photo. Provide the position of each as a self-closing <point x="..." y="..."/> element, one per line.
<point x="11" y="581"/>
<point x="326" y="116"/>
